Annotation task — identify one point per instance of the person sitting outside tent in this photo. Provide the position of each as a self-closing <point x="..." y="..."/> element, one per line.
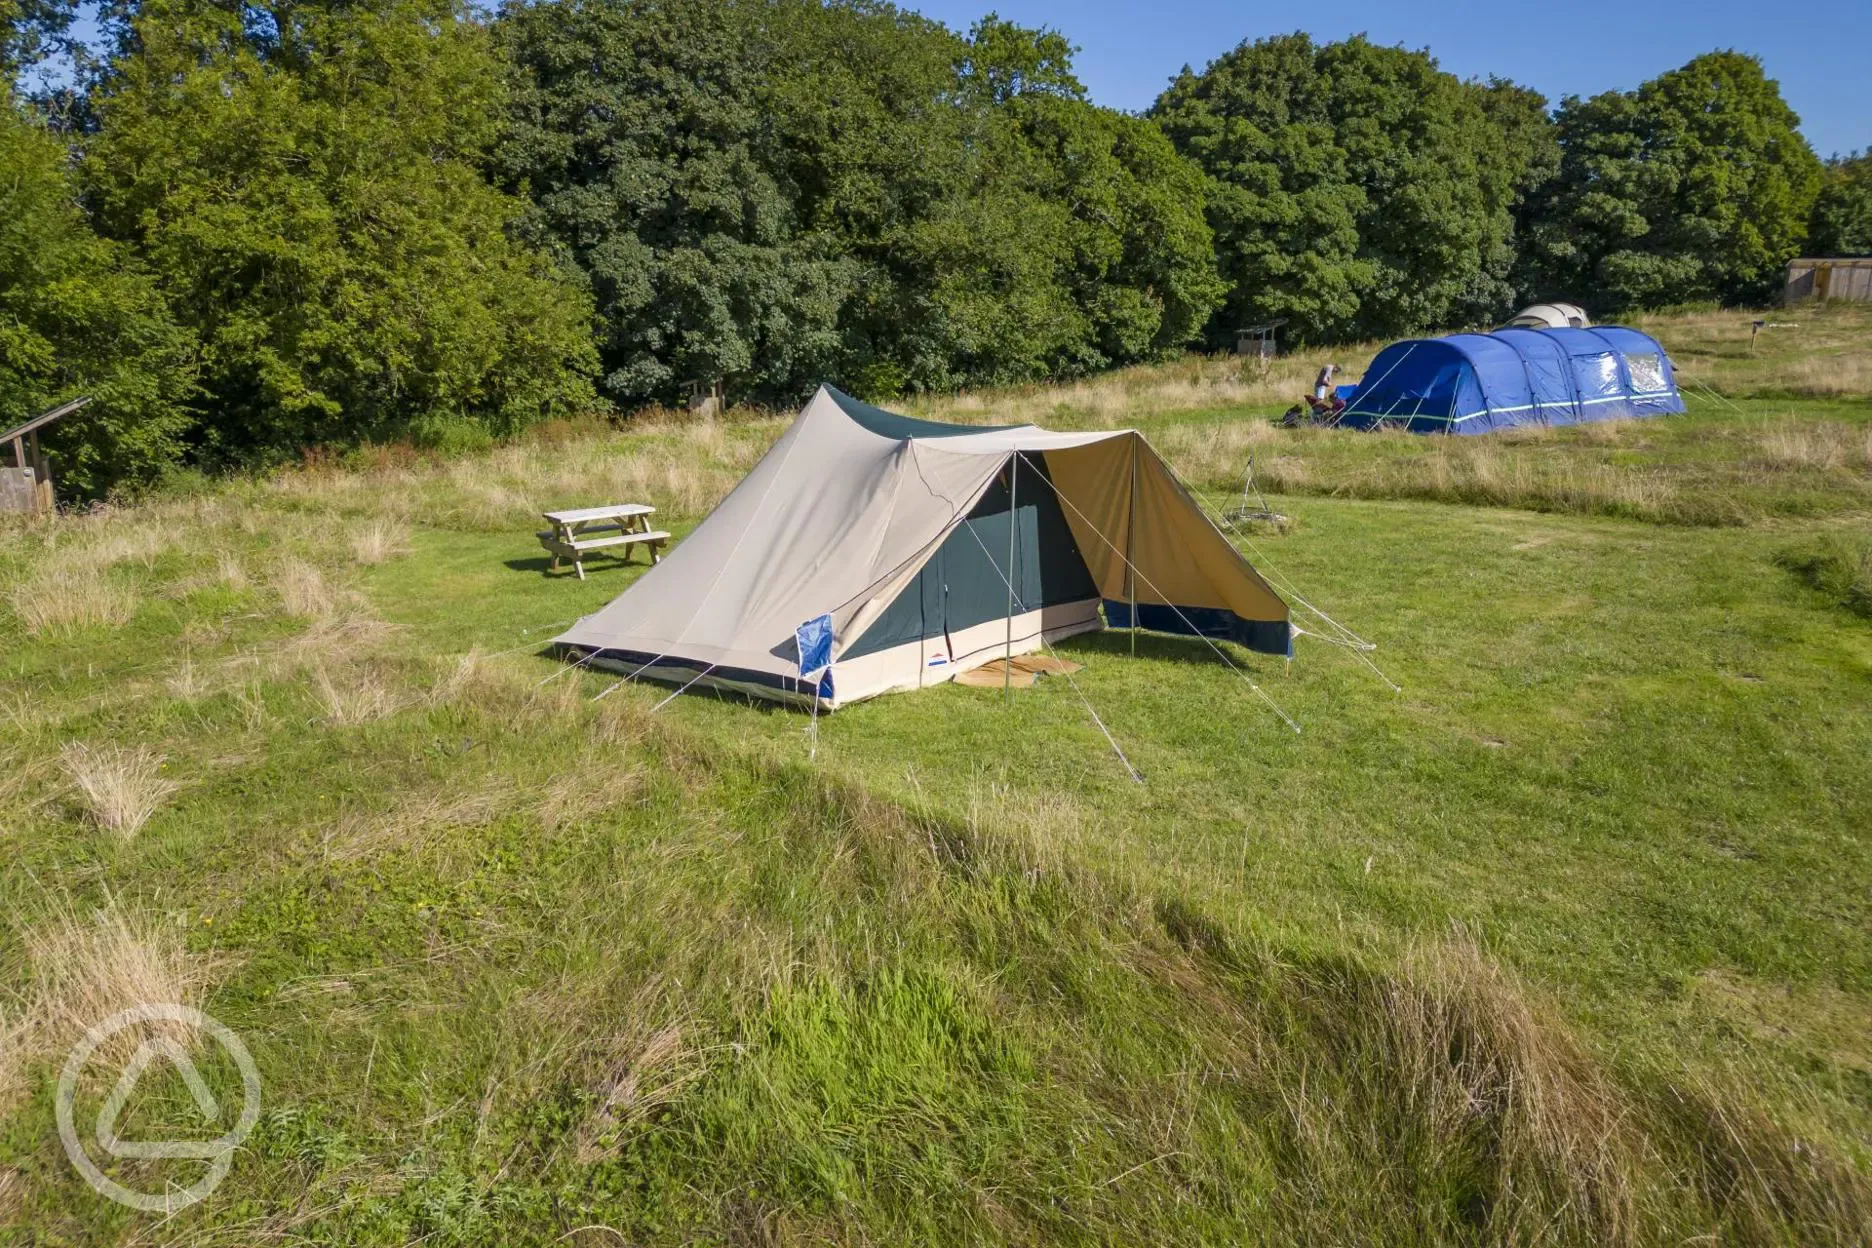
<point x="1314" y="409"/>
<point x="1325" y="407"/>
<point x="1323" y="384"/>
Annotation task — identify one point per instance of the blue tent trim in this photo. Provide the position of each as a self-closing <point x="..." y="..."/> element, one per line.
<point x="1478" y="383"/>
<point x="676" y="669"/>
<point x="1264" y="636"/>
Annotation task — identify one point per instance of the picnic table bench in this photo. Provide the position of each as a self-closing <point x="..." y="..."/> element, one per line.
<point x="614" y="529"/>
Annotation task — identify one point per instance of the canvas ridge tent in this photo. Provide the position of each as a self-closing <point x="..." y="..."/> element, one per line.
<point x="1477" y="383"/>
<point x="1550" y="316"/>
<point x="933" y="549"/>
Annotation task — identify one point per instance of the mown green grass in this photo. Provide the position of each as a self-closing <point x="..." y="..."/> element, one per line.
<point x="1565" y="942"/>
<point x="1839" y="567"/>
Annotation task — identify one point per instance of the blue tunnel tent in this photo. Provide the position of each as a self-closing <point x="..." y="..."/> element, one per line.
<point x="1477" y="383"/>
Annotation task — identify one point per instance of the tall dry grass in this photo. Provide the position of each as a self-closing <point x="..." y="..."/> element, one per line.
<point x="12" y="1182"/>
<point x="303" y="590"/>
<point x="1471" y="1052"/>
<point x="1506" y="472"/>
<point x="1812" y="444"/>
<point x="65" y="600"/>
<point x="1814" y="351"/>
<point x="1193" y="383"/>
<point x="230" y="571"/>
<point x="84" y="968"/>
<point x="681" y="467"/>
<point x="379" y="540"/>
<point x="121" y="786"/>
<point x="641" y="1079"/>
<point x="354" y="694"/>
<point x="116" y="542"/>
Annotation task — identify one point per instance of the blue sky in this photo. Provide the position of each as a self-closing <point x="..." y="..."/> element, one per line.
<point x="1816" y="49"/>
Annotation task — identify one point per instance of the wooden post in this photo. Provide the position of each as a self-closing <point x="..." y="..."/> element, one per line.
<point x="42" y="474"/>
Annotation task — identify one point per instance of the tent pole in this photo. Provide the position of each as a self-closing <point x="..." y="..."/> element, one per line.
<point x="1131" y="545"/>
<point x="1007" y="661"/>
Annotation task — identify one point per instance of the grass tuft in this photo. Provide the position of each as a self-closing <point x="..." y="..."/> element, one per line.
<point x="121" y="787"/>
<point x="85" y="968"/>
<point x="303" y="590"/>
<point x="353" y="695"/>
<point x="380" y="540"/>
<point x="65" y="601"/>
<point x="1470" y="1055"/>
<point x="635" y="1088"/>
<point x="12" y="1182"/>
<point x="1762" y="1174"/>
<point x="230" y="571"/>
<point x="186" y="683"/>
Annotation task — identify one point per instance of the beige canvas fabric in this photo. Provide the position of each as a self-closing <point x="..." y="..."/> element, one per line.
<point x="838" y="517"/>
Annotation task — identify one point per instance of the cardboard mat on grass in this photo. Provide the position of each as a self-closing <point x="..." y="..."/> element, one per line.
<point x="1020" y="672"/>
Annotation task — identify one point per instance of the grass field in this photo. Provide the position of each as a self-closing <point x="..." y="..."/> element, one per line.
<point x="1569" y="941"/>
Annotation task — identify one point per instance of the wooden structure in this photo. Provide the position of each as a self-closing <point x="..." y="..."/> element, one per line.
<point x="1258" y="340"/>
<point x="1847" y="279"/>
<point x="705" y="399"/>
<point x="615" y="529"/>
<point x="26" y="481"/>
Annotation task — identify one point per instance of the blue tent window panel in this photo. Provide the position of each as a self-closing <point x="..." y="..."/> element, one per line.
<point x="1477" y="383"/>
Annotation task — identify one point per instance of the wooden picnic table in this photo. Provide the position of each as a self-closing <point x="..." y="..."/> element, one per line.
<point x="615" y="529"/>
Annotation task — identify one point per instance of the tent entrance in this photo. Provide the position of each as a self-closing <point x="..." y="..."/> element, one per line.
<point x="965" y="582"/>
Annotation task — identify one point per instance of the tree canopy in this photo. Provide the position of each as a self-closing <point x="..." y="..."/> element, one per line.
<point x="1842" y="211"/>
<point x="306" y="183"/>
<point x="775" y="194"/>
<point x="1696" y="186"/>
<point x="79" y="317"/>
<point x="1355" y="190"/>
<point x="253" y="228"/>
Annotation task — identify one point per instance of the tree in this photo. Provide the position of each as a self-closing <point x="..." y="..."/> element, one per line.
<point x="306" y="181"/>
<point x="1696" y="186"/>
<point x="29" y="30"/>
<point x="1138" y="263"/>
<point x="640" y="131"/>
<point x="1842" y="212"/>
<point x="1072" y="238"/>
<point x="1354" y="190"/>
<point x="778" y="192"/>
<point x="78" y="317"/>
<point x="1527" y="146"/>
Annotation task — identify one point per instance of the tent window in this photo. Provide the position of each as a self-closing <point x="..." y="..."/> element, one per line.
<point x="1598" y="374"/>
<point x="1647" y="371"/>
